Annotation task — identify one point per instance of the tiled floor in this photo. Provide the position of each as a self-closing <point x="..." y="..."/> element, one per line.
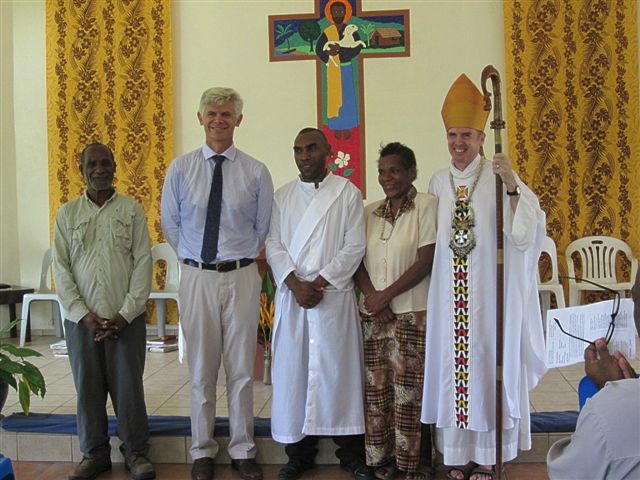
<point x="167" y="393"/>
<point x="166" y="383"/>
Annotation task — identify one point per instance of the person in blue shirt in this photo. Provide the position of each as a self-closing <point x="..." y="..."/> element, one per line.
<point x="215" y="212"/>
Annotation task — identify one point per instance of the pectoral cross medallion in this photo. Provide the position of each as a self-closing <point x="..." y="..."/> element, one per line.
<point x="463" y="240"/>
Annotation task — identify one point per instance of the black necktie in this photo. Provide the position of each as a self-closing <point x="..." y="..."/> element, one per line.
<point x="212" y="225"/>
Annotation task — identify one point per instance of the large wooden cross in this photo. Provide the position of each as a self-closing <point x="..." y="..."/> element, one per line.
<point x="338" y="36"/>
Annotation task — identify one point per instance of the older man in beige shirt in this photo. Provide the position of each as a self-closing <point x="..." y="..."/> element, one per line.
<point x="102" y="270"/>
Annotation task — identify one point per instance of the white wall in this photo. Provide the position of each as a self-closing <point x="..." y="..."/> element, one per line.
<point x="214" y="45"/>
<point x="225" y="42"/>
<point x="23" y="149"/>
<point x="9" y="267"/>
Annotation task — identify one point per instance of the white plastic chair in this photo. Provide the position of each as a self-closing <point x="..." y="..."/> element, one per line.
<point x="553" y="285"/>
<point x="45" y="293"/>
<point x="163" y="251"/>
<point x="597" y="257"/>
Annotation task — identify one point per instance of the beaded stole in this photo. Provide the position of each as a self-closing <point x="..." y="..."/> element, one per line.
<point x="462" y="243"/>
<point x="461" y="327"/>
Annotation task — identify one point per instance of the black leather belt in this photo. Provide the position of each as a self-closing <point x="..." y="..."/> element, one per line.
<point x="220" y="267"/>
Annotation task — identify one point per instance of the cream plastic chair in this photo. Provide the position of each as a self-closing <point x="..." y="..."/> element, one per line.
<point x="597" y="257"/>
<point x="45" y="293"/>
<point x="163" y="251"/>
<point x="553" y="285"/>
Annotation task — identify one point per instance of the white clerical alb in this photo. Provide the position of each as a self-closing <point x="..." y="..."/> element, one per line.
<point x="459" y="386"/>
<point x="317" y="351"/>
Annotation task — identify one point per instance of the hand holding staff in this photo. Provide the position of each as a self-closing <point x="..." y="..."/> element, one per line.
<point x="497" y="124"/>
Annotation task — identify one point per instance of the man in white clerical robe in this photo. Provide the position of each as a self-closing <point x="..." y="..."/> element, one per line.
<point x="315" y="244"/>
<point x="460" y="370"/>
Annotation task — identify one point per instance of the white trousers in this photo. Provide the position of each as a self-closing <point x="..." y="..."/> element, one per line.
<point x="219" y="318"/>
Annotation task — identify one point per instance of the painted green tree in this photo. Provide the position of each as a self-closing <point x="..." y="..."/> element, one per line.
<point x="367" y="29"/>
<point x="284" y="32"/>
<point x="309" y="31"/>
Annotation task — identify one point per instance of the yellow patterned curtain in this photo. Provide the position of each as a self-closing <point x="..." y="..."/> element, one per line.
<point x="109" y="81"/>
<point x="573" y="113"/>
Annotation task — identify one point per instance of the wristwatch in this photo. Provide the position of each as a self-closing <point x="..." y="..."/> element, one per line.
<point x="515" y="193"/>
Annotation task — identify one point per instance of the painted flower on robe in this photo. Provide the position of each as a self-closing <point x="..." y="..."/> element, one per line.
<point x="342" y="159"/>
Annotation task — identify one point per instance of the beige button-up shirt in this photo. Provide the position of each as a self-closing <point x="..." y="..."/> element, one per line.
<point x="102" y="258"/>
<point x="390" y="253"/>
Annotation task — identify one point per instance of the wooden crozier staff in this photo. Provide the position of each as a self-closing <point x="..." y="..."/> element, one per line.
<point x="497" y="124"/>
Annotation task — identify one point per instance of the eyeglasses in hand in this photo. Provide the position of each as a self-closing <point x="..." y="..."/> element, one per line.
<point x="614" y="313"/>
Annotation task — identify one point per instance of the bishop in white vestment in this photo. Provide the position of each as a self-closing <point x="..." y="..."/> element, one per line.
<point x="315" y="244"/>
<point x="460" y="370"/>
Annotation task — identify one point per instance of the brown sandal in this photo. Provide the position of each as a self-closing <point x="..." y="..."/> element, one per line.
<point x="465" y="470"/>
<point x="386" y="472"/>
<point x="489" y="473"/>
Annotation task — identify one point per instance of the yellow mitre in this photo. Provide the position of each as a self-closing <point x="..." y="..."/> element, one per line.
<point x="464" y="106"/>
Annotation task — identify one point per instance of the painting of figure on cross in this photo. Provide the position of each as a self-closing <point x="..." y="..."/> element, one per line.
<point x="294" y="37"/>
<point x="336" y="47"/>
<point x="338" y="35"/>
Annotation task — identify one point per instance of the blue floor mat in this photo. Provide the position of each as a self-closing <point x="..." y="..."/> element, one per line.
<point x="177" y="426"/>
<point x="554" y="422"/>
<point x="542" y="422"/>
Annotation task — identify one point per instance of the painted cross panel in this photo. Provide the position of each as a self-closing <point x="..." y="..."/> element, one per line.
<point x="338" y="36"/>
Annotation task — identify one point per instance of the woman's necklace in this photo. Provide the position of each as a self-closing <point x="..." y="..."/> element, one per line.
<point x="463" y="239"/>
<point x="387" y="207"/>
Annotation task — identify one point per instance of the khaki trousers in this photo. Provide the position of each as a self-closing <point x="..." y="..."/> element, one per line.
<point x="219" y="319"/>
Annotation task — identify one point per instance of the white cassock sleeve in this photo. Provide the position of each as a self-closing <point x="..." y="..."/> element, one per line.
<point x="277" y="255"/>
<point x="339" y="272"/>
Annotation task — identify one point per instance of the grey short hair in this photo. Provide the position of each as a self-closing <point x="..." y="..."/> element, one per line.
<point x="220" y="95"/>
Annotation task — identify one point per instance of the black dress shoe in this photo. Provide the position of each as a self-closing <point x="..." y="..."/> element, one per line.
<point x="294" y="469"/>
<point x="247" y="468"/>
<point x="358" y="469"/>
<point x="202" y="469"/>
